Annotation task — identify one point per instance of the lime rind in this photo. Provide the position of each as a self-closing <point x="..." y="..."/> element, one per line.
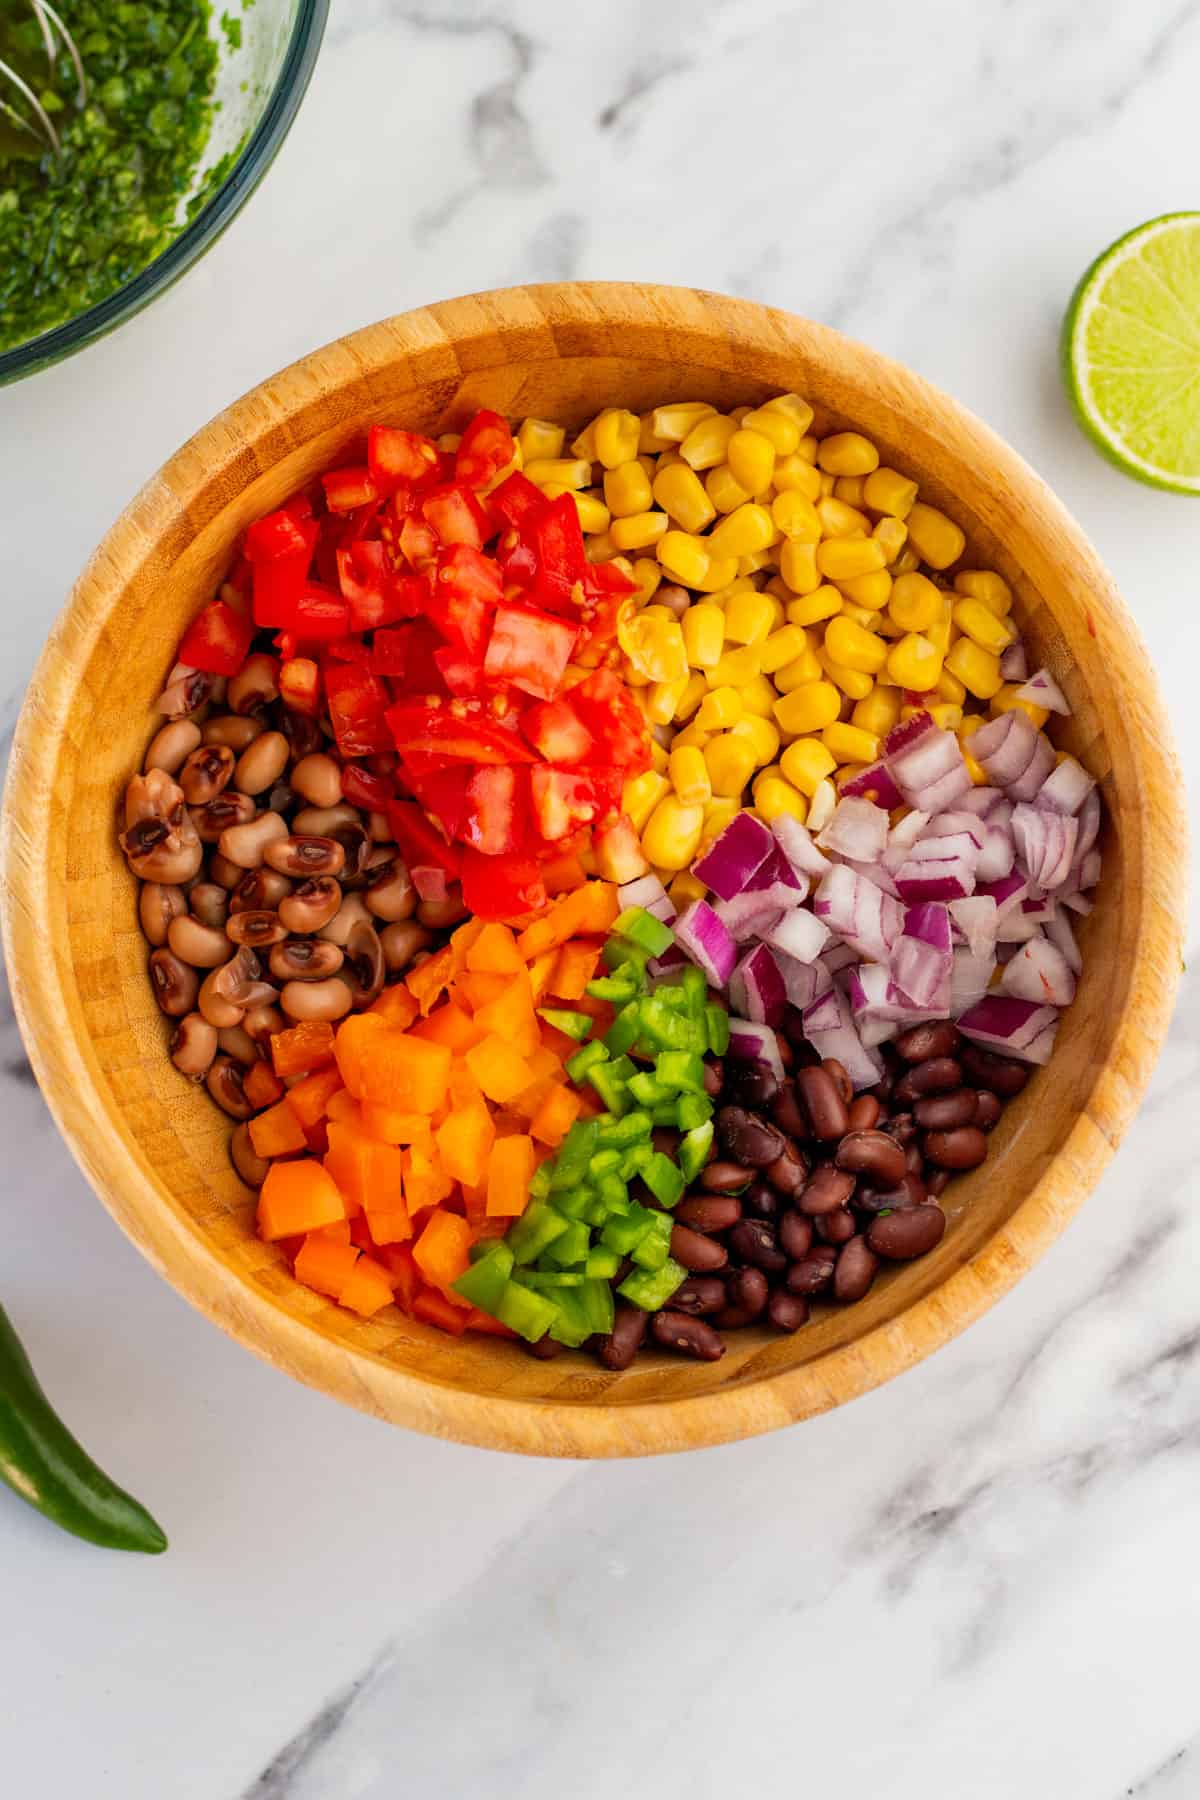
<point x="1131" y="353"/>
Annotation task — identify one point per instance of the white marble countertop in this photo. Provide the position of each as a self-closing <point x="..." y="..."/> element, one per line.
<point x="980" y="1580"/>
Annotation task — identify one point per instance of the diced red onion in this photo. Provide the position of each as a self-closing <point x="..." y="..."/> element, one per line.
<point x="750" y="1042"/>
<point x="732" y="858"/>
<point x="1015" y="928"/>
<point x="970" y="978"/>
<point x="803" y="982"/>
<point x="1004" y="747"/>
<point x="1066" y="788"/>
<point x="867" y="919"/>
<point x="976" y="918"/>
<point x="1089" y="825"/>
<point x="1058" y="930"/>
<point x="1008" y="891"/>
<point x="430" y="882"/>
<point x="955" y="823"/>
<point x="1089" y="870"/>
<point x="756" y="988"/>
<point x="858" y="831"/>
<point x="1042" y="1048"/>
<point x="922" y="960"/>
<point x="649" y="893"/>
<point x="777" y="871"/>
<point x="903" y="836"/>
<point x="840" y="956"/>
<point x="874" y="783"/>
<point x="701" y="935"/>
<point x="1032" y="778"/>
<point x="949" y="789"/>
<point x="799" y="934"/>
<point x="1045" y="842"/>
<point x="795" y="841"/>
<point x="997" y="855"/>
<point x="748" y="915"/>
<point x="1039" y="971"/>
<point x="672" y="958"/>
<point x="950" y="879"/>
<point x="829" y="1028"/>
<point x="926" y="763"/>
<point x="982" y="801"/>
<point x="1080" y="903"/>
<point x="1043" y="690"/>
<point x="962" y="846"/>
<point x="880" y="1010"/>
<point x="1004" y="1023"/>
<point x="1014" y="663"/>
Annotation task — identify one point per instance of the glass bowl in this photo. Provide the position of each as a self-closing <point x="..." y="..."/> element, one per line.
<point x="262" y="74"/>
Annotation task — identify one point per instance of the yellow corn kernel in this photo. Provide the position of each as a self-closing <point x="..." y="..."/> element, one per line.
<point x="985" y="585"/>
<point x="828" y="483"/>
<point x="690" y="734"/>
<point x="725" y="493"/>
<point x="741" y="584"/>
<point x="673" y="422"/>
<point x="720" y="708"/>
<point x="849" y="490"/>
<point x="841" y="558"/>
<point x="722" y="572"/>
<point x="871" y="592"/>
<point x="907" y="563"/>
<point x="617" y="436"/>
<point x="821" y="806"/>
<point x="976" y="668"/>
<point x="658" y="757"/>
<point x="878" y="712"/>
<point x="758" y="697"/>
<point x="730" y="763"/>
<point x="856" y="684"/>
<point x="648" y="576"/>
<point x="841" y="521"/>
<point x="718" y="814"/>
<point x="693" y="693"/>
<point x="847" y="453"/>
<point x="706" y="443"/>
<point x="666" y="459"/>
<point x="850" y="743"/>
<point x="937" y="540"/>
<point x="671" y="836"/>
<point x="798" y="566"/>
<point x="778" y="615"/>
<point x="783" y="646"/>
<point x="680" y="492"/>
<point x="849" y="644"/>
<point x="749" y="618"/>
<point x="751" y="459"/>
<point x="594" y="516"/>
<point x="627" y="490"/>
<point x="782" y="432"/>
<point x="950" y="689"/>
<point x="774" y="796"/>
<point x="743" y="532"/>
<point x="981" y="625"/>
<point x="649" y="441"/>
<point x="704" y="635"/>
<point x="808" y="708"/>
<point x="778" y="589"/>
<point x="796" y="475"/>
<point x="540" y="440"/>
<point x="601" y="548"/>
<point x="802" y="669"/>
<point x="823" y="602"/>
<point x="761" y="736"/>
<point x="570" y="473"/>
<point x="861" y="615"/>
<point x="584" y="445"/>
<point x="684" y="557"/>
<point x="797" y="409"/>
<point x="640" y="531"/>
<point x="915" y="663"/>
<point x="685" y="888"/>
<point x="946" y="715"/>
<point x="663" y="699"/>
<point x="642" y="794"/>
<point x="887" y="627"/>
<point x="796" y="517"/>
<point x="806" y="763"/>
<point x="736" y="667"/>
<point x="915" y="603"/>
<point x="689" y="776"/>
<point x="892" y="534"/>
<point x="887" y="491"/>
<point x="941" y="633"/>
<point x="807" y="448"/>
<point x="738" y="413"/>
<point x="1007" y="698"/>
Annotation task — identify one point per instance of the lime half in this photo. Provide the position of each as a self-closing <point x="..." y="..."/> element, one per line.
<point x="1131" y="352"/>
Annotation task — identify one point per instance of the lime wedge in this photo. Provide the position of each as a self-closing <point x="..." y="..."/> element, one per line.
<point x="1131" y="352"/>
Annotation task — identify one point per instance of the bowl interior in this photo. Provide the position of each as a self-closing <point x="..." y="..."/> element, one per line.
<point x="156" y="1148"/>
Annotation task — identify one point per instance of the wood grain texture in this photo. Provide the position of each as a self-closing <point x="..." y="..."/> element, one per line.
<point x="154" y="1148"/>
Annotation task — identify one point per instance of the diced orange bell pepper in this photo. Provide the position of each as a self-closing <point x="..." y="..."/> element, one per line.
<point x="462" y="939"/>
<point x="297" y="1197"/>
<point x="575" y="968"/>
<point x="262" y="1086"/>
<point x="395" y="1006"/>
<point x="425" y="1183"/>
<point x="354" y="1036"/>
<point x="464" y="1142"/>
<point x="556" y="1042"/>
<point x="434" y="1309"/>
<point x="427" y="982"/>
<point x="479" y="990"/>
<point x="277" y="1132"/>
<point x="449" y="1024"/>
<point x="511" y="1170"/>
<point x="390" y="1226"/>
<point x="555" y="1116"/>
<point x="403" y="1273"/>
<point x="343" y="1108"/>
<point x="302" y="1047"/>
<point x="325" y="1265"/>
<point x="441" y="1250"/>
<point x="498" y="1069"/>
<point x="391" y="1126"/>
<point x="512" y="1017"/>
<point x="404" y="1072"/>
<point x="369" y="1174"/>
<point x="368" y="1288"/>
<point x="563" y="873"/>
<point x="310" y="1098"/>
<point x="541" y="971"/>
<point x="590" y="909"/>
<point x="494" y="952"/>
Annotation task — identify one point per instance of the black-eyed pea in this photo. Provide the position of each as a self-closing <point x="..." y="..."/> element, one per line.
<point x="329" y="999"/>
<point x="203" y="946"/>
<point x="247" y="844"/>
<point x="262" y="763"/>
<point x="170" y="747"/>
<point x="157" y="906"/>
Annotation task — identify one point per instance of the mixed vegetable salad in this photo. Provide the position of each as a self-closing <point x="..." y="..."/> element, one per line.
<point x="613" y="886"/>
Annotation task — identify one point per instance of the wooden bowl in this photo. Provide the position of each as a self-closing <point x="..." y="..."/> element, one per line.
<point x="155" y="1148"/>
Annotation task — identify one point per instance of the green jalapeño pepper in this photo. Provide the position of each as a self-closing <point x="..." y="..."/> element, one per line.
<point x="45" y="1465"/>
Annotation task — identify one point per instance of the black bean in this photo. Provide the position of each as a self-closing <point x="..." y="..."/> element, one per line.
<point x="788" y="1114"/>
<point x="902" y="1235"/>
<point x="809" y="1274"/>
<point x="751" y="1084"/>
<point x="709" y="1212"/>
<point x="826" y="1188"/>
<point x="747" y="1138"/>
<point x="864" y="1113"/>
<point x="913" y="1160"/>
<point x="902" y="1126"/>
<point x="873" y="1154"/>
<point x="788" y="1173"/>
<point x="723" y="1177"/>
<point x="987" y="1109"/>
<point x="964" y="1148"/>
<point x="827" y="1111"/>
<point x="714" y="1077"/>
<point x="761" y="1201"/>
<point x="787" y="1312"/>
<point x="935" y="1076"/>
<point x="836" y="1227"/>
<point x="937" y="1181"/>
<point x="909" y="1192"/>
<point x="733" y="1318"/>
<point x="795" y="1234"/>
<point x="696" y="1252"/>
<point x="938" y="1038"/>
<point x="945" y="1112"/>
<point x="755" y="1242"/>
<point x="676" y="1331"/>
<point x="747" y="1290"/>
<point x="626" y="1337"/>
<point x="999" y="1073"/>
<point x="698" y="1296"/>
<point x="855" y="1270"/>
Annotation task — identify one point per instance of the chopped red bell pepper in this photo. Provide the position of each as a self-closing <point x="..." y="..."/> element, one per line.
<point x="516" y="500"/>
<point x="347" y="489"/>
<point x="556" y="538"/>
<point x="399" y="458"/>
<point x="318" y="616"/>
<point x="217" y="640"/>
<point x="357" y="703"/>
<point x="459" y="728"/>
<point x="501" y="887"/>
<point x="529" y="649"/>
<point x="443" y="794"/>
<point x="485" y="448"/>
<point x="556" y="731"/>
<point x="516" y="561"/>
<point x="495" y="815"/>
<point x="281" y="533"/>
<point x="363" y="787"/>
<point x="350" y="650"/>
<point x="421" y="843"/>
<point x="409" y="651"/>
<point x="456" y="516"/>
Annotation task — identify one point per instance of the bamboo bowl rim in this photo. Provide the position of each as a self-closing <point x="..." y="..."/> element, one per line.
<point x="446" y="344"/>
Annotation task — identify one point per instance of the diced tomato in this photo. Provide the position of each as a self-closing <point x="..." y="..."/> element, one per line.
<point x="501" y="887"/>
<point x="357" y="703"/>
<point x="485" y="448"/>
<point x="418" y="543"/>
<point x="456" y="516"/>
<point x="563" y="799"/>
<point x="468" y="574"/>
<point x="375" y="594"/>
<point x="516" y="499"/>
<point x="618" y="852"/>
<point x="318" y="616"/>
<point x="346" y="489"/>
<point x="600" y="580"/>
<point x="530" y="649"/>
<point x="421" y="843"/>
<point x="350" y="650"/>
<point x="277" y="585"/>
<point x="469" y="735"/>
<point x="217" y="640"/>
<point x="443" y="794"/>
<point x="556" y="539"/>
<point x="495" y="809"/>
<point x="462" y="674"/>
<point x="280" y="534"/>
<point x="409" y="651"/>
<point x="399" y="458"/>
<point x="362" y="787"/>
<point x="612" y="716"/>
<point x="556" y="731"/>
<point x="516" y="562"/>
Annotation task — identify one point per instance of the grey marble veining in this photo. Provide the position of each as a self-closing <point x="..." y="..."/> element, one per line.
<point x="979" y="1580"/>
